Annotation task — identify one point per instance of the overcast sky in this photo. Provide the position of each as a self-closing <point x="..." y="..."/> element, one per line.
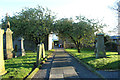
<point x="95" y="9"/>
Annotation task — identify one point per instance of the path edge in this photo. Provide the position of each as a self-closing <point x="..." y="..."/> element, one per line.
<point x="37" y="68"/>
<point x="87" y="66"/>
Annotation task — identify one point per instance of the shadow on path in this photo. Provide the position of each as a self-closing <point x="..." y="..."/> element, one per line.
<point x="64" y="67"/>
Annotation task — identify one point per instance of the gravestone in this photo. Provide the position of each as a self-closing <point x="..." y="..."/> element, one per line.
<point x="8" y="44"/>
<point x="20" y="47"/>
<point x="2" y="65"/>
<point x="100" y="47"/>
<point x="43" y="51"/>
<point x="39" y="53"/>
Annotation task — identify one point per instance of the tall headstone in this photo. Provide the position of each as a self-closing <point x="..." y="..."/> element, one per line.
<point x="20" y="47"/>
<point x="2" y="65"/>
<point x="43" y="51"/>
<point x="8" y="43"/>
<point x="100" y="47"/>
<point x="39" y="53"/>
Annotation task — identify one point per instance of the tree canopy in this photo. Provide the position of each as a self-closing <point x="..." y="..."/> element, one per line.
<point x="32" y="23"/>
<point x="36" y="23"/>
<point x="81" y="32"/>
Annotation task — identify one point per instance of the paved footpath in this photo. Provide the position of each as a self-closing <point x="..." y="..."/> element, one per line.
<point x="62" y="66"/>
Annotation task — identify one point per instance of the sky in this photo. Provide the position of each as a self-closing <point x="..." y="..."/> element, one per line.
<point x="92" y="9"/>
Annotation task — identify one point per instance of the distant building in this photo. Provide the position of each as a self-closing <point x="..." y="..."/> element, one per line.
<point x="50" y="41"/>
<point x="114" y="38"/>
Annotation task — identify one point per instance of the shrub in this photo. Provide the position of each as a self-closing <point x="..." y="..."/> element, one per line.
<point x="111" y="46"/>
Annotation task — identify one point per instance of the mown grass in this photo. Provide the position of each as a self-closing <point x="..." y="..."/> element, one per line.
<point x="20" y="67"/>
<point x="112" y="62"/>
<point x="52" y="50"/>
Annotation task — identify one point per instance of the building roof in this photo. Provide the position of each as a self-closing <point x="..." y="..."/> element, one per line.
<point x="114" y="37"/>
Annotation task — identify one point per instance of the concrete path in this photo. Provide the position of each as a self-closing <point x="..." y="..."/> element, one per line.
<point x="62" y="66"/>
<point x="110" y="74"/>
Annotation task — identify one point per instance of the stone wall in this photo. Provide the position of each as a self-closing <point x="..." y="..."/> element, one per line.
<point x="100" y="47"/>
<point x="68" y="44"/>
<point x="31" y="46"/>
<point x="28" y="45"/>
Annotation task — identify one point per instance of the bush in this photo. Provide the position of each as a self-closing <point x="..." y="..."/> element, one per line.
<point x="111" y="46"/>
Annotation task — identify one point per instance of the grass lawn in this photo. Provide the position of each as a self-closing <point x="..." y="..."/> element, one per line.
<point x="52" y="50"/>
<point x="20" y="67"/>
<point x="112" y="62"/>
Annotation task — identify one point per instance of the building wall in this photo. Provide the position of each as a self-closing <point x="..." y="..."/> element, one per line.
<point x="50" y="41"/>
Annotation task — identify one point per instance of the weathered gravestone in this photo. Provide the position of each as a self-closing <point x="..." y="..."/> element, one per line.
<point x="20" y="47"/>
<point x="39" y="54"/>
<point x="43" y="51"/>
<point x="2" y="65"/>
<point x="8" y="43"/>
<point x="100" y="47"/>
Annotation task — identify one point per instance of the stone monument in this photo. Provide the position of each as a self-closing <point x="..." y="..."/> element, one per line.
<point x="100" y="47"/>
<point x="8" y="43"/>
<point x="2" y="65"/>
<point x="20" y="47"/>
<point x="39" y="53"/>
<point x="43" y="51"/>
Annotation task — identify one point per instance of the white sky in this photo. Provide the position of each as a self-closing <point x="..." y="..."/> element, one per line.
<point x="95" y="9"/>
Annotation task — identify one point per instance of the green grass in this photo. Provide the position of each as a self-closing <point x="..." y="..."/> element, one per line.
<point x="52" y="50"/>
<point x="20" y="67"/>
<point x="112" y="62"/>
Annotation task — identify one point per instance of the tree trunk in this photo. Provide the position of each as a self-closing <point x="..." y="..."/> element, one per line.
<point x="76" y="43"/>
<point x="118" y="48"/>
<point x="79" y="50"/>
<point x="78" y="47"/>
